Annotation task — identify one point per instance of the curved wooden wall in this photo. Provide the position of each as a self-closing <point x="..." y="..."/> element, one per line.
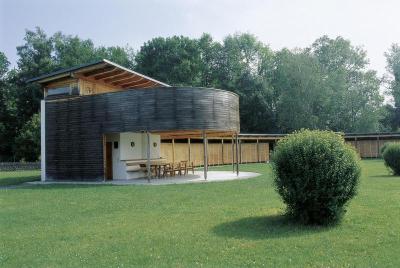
<point x="75" y="125"/>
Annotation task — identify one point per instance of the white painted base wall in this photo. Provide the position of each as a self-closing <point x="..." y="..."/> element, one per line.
<point x="42" y="140"/>
<point x="131" y="146"/>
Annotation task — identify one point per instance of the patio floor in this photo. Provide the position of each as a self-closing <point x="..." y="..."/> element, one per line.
<point x="197" y="177"/>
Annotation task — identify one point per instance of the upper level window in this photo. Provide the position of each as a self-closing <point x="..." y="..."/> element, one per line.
<point x="58" y="91"/>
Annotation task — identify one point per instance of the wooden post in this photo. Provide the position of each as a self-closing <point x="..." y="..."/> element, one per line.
<point x="258" y="152"/>
<point x="359" y="152"/>
<point x="240" y="150"/>
<point x="222" y="150"/>
<point x="377" y="146"/>
<point x="173" y="151"/>
<point x="237" y="154"/>
<point x="233" y="155"/>
<point x="104" y="157"/>
<point x="205" y="164"/>
<point x="148" y="157"/>
<point x="190" y="151"/>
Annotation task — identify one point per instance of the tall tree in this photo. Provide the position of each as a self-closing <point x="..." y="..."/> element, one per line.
<point x="393" y="68"/>
<point x="302" y="96"/>
<point x="245" y="67"/>
<point x="7" y="115"/>
<point x="41" y="54"/>
<point x="355" y="103"/>
<point x="174" y="60"/>
<point x="35" y="58"/>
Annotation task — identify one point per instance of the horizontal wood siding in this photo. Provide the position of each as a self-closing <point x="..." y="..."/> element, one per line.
<point x="75" y="126"/>
<point x="218" y="153"/>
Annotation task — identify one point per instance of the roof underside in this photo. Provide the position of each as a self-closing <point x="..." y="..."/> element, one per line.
<point x="105" y="72"/>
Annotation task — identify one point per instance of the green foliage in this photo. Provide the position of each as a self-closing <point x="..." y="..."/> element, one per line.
<point x="352" y="91"/>
<point x="316" y="174"/>
<point x="391" y="156"/>
<point x="303" y="99"/>
<point x="27" y="143"/>
<point x="383" y="148"/>
<point x="41" y="54"/>
<point x="7" y="112"/>
<point x="174" y="60"/>
<point x="393" y="67"/>
<point x="324" y="86"/>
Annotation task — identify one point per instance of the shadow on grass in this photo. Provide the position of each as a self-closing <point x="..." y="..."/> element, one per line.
<point x="62" y="186"/>
<point x="384" y="176"/>
<point x="15" y="181"/>
<point x="265" y="227"/>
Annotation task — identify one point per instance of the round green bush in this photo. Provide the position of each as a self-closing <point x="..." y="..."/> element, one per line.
<point x="383" y="148"/>
<point x="391" y="156"/>
<point x="316" y="174"/>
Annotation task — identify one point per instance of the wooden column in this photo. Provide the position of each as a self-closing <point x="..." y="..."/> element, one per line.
<point x="205" y="166"/>
<point x="104" y="157"/>
<point x="240" y="150"/>
<point x="237" y="154"/>
<point x="233" y="155"/>
<point x="377" y="146"/>
<point x="258" y="152"/>
<point x="190" y="151"/>
<point x="222" y="150"/>
<point x="148" y="157"/>
<point x="356" y="141"/>
<point x="173" y="151"/>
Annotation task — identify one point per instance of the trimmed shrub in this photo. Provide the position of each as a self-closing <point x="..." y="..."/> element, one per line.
<point x="391" y="156"/>
<point x="316" y="174"/>
<point x="383" y="148"/>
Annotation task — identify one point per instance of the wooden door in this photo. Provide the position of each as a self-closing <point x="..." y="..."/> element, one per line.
<point x="109" y="170"/>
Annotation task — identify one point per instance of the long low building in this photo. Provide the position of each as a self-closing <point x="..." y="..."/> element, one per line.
<point x="256" y="148"/>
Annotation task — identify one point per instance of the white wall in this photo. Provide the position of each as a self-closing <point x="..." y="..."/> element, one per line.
<point x="139" y="151"/>
<point x="154" y="150"/>
<point x="42" y="140"/>
<point x="127" y="151"/>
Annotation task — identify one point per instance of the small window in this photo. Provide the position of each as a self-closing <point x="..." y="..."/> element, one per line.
<point x="154" y="144"/>
<point x="132" y="144"/>
<point x="58" y="91"/>
<point x="115" y="144"/>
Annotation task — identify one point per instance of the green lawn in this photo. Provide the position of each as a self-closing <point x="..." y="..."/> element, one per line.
<point x="226" y="224"/>
<point x="18" y="177"/>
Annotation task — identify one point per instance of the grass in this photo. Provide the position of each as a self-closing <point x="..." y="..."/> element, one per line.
<point x="226" y="224"/>
<point x="8" y="178"/>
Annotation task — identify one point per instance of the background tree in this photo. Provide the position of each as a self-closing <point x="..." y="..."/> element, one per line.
<point x="7" y="115"/>
<point x="38" y="55"/>
<point x="355" y="104"/>
<point x="27" y="143"/>
<point x="393" y="68"/>
<point x="246" y="67"/>
<point x="324" y="86"/>
<point x="302" y="96"/>
<point x="173" y="60"/>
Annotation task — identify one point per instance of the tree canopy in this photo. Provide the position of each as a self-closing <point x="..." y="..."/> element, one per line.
<point x="324" y="86"/>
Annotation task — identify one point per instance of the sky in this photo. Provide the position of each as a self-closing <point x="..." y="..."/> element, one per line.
<point x="373" y="25"/>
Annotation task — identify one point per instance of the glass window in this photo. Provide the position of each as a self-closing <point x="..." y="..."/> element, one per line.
<point x="58" y="91"/>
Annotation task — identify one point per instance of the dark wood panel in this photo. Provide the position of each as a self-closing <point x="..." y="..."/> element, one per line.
<point x="75" y="126"/>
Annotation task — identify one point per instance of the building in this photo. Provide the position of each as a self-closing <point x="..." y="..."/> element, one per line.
<point x="102" y="121"/>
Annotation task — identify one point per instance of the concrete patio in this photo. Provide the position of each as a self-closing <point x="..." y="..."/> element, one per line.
<point x="197" y="177"/>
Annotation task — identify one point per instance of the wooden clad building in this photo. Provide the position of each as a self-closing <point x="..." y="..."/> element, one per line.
<point x="101" y="120"/>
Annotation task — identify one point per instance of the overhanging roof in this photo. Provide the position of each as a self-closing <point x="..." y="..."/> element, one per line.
<point x="103" y="71"/>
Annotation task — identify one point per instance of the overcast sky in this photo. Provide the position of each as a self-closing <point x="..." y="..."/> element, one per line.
<point x="374" y="25"/>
